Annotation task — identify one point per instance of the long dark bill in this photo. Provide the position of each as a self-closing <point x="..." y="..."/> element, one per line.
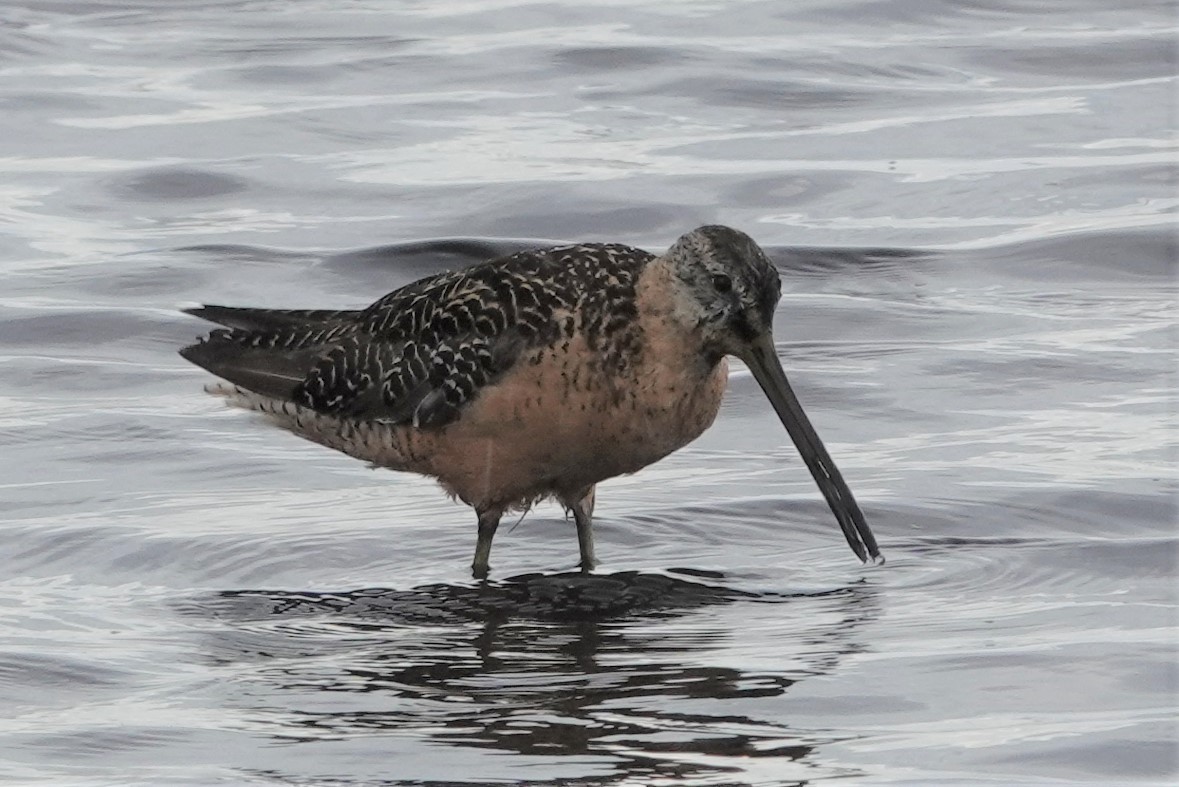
<point x="767" y="370"/>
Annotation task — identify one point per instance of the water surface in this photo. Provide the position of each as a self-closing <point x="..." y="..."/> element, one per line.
<point x="972" y="206"/>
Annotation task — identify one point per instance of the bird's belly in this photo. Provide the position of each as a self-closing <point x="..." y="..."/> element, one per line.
<point x="553" y="427"/>
<point x="550" y="430"/>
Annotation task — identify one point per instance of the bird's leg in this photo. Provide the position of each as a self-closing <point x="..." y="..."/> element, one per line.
<point x="488" y="522"/>
<point x="583" y="515"/>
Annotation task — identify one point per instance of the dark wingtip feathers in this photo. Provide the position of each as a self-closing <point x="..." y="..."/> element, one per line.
<point x="267" y="351"/>
<point x="210" y="351"/>
<point x="249" y="319"/>
<point x="228" y="355"/>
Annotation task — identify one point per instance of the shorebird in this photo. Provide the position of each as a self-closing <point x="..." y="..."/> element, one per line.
<point x="536" y="375"/>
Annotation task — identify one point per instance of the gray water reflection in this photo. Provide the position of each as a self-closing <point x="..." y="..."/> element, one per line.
<point x="611" y="669"/>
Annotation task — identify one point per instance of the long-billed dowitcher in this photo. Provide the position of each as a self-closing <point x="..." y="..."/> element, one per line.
<point x="532" y="376"/>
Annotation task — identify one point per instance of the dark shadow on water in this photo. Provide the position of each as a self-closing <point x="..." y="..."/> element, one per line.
<point x="423" y="258"/>
<point x="427" y="257"/>
<point x="417" y="259"/>
<point x="1142" y="254"/>
<point x="609" y="669"/>
<point x="568" y="596"/>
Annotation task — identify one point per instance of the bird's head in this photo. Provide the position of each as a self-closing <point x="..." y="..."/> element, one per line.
<point x="727" y="289"/>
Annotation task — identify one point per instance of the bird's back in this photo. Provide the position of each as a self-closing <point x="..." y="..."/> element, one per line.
<point x="422" y="352"/>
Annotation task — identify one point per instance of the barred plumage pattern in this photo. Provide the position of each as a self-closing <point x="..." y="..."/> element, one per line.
<point x="421" y="353"/>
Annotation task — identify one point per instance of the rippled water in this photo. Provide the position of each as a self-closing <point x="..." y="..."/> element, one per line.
<point x="972" y="205"/>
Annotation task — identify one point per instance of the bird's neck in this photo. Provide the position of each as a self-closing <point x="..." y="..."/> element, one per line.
<point x="670" y="316"/>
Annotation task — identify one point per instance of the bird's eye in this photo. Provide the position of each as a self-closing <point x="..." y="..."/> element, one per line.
<point x="722" y="282"/>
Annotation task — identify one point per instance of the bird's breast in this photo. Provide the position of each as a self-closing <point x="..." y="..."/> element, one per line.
<point x="568" y="417"/>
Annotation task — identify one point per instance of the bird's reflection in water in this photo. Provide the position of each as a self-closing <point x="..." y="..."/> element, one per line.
<point x="611" y="669"/>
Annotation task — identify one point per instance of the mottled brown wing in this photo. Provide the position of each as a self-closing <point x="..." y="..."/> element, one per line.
<point x="420" y="353"/>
